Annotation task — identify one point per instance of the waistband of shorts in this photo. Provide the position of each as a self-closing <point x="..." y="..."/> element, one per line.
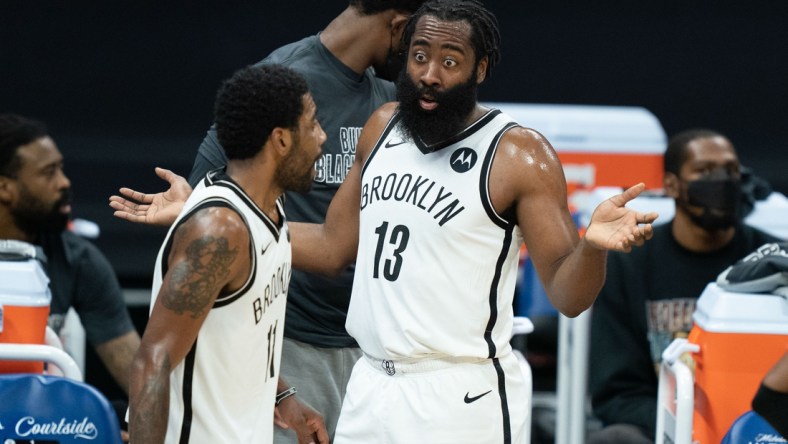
<point x="393" y="368"/>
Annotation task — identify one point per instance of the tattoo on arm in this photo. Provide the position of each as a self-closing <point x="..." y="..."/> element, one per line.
<point x="150" y="410"/>
<point x="193" y="282"/>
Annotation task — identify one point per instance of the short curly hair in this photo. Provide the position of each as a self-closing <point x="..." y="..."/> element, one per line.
<point x="369" y="7"/>
<point x="254" y="101"/>
<point x="16" y="131"/>
<point x="676" y="153"/>
<point x="485" y="35"/>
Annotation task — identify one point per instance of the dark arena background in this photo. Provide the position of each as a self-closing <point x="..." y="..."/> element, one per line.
<point x="128" y="85"/>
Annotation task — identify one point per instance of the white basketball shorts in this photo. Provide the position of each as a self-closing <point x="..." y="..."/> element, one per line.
<point x="435" y="401"/>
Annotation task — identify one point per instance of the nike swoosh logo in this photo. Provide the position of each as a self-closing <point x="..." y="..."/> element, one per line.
<point x="266" y="248"/>
<point x="390" y="143"/>
<point x="469" y="400"/>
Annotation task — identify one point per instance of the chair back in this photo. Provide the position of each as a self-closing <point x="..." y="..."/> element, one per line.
<point x="751" y="428"/>
<point x="45" y="408"/>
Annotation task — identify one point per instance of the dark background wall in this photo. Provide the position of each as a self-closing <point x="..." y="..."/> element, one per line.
<point x="128" y="85"/>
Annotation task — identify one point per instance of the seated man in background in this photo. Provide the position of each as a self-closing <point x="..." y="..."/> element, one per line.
<point x="649" y="295"/>
<point x="35" y="197"/>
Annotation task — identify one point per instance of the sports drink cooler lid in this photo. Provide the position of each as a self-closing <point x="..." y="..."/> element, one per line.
<point x="722" y="311"/>
<point x="23" y="281"/>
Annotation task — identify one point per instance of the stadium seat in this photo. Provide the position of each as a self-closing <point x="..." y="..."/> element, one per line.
<point x="750" y="428"/>
<point x="52" y="409"/>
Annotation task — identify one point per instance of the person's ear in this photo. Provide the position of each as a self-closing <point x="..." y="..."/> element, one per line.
<point x="671" y="184"/>
<point x="397" y="25"/>
<point x="481" y="70"/>
<point x="281" y="141"/>
<point x="7" y="189"/>
<point x="396" y="28"/>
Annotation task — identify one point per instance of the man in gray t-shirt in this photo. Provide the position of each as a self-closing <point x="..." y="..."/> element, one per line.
<point x="344" y="73"/>
<point x="35" y="207"/>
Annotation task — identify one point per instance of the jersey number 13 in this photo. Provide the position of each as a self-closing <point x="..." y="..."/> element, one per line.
<point x="399" y="239"/>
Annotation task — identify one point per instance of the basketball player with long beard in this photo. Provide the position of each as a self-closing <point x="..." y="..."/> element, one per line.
<point x="442" y="193"/>
<point x="447" y="191"/>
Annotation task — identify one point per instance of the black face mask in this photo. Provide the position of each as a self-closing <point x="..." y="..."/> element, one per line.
<point x="392" y="66"/>
<point x="720" y="196"/>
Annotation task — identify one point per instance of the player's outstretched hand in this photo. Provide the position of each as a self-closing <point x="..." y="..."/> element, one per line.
<point x="304" y="420"/>
<point x="613" y="226"/>
<point x="153" y="209"/>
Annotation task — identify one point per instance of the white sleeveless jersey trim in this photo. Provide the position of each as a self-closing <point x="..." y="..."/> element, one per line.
<point x="218" y="392"/>
<point x="224" y="181"/>
<point x="436" y="264"/>
<point x="213" y="203"/>
<point x="484" y="182"/>
<point x="392" y="123"/>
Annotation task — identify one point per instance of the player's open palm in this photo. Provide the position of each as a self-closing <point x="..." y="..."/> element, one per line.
<point x="613" y="226"/>
<point x="153" y="209"/>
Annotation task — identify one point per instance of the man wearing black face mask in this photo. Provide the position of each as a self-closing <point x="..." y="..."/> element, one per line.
<point x="719" y="195"/>
<point x="649" y="295"/>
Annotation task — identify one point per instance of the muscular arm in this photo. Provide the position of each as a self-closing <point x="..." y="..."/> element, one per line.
<point x="330" y="247"/>
<point x="210" y="255"/>
<point x="528" y="176"/>
<point x="117" y="354"/>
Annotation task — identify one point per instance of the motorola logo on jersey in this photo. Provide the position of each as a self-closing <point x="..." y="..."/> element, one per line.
<point x="463" y="160"/>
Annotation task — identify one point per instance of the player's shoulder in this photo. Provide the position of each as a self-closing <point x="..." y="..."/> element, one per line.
<point x="528" y="145"/>
<point x="215" y="220"/>
<point x="526" y="138"/>
<point x="374" y="127"/>
<point x="385" y="112"/>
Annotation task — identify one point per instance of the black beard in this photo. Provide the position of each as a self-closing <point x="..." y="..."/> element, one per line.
<point x="34" y="218"/>
<point x="449" y="118"/>
<point x="293" y="174"/>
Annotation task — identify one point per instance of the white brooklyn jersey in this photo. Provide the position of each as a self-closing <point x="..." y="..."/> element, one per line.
<point x="224" y="390"/>
<point x="436" y="266"/>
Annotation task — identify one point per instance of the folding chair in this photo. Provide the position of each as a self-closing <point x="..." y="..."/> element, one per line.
<point x="735" y="340"/>
<point x="675" y="395"/>
<point x="751" y="428"/>
<point x="36" y="408"/>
